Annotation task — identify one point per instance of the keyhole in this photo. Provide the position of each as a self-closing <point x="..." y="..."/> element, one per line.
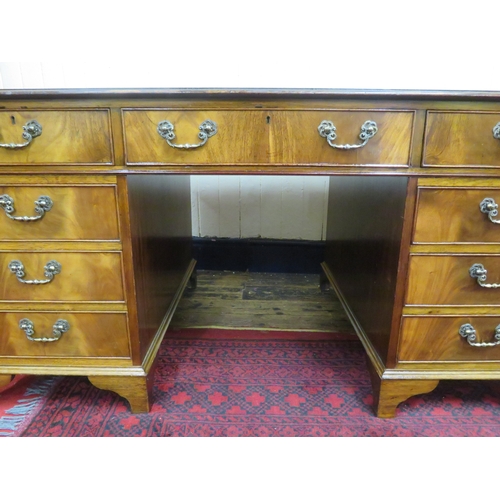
<point x="13" y="120"/>
<point x="268" y="120"/>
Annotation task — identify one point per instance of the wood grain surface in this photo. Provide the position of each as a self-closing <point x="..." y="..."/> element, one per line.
<point x="68" y="137"/>
<point x="78" y="213"/>
<point x="90" y="335"/>
<point x="461" y="139"/>
<point x="452" y="215"/>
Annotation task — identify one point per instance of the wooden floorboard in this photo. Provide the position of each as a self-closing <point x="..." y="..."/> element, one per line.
<point x="260" y="301"/>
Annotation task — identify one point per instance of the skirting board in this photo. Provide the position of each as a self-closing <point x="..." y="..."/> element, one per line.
<point x="258" y="255"/>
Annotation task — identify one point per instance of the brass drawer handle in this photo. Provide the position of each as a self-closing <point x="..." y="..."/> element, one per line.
<point x="496" y="131"/>
<point x="207" y="129"/>
<point x="478" y="272"/>
<point x="31" y="130"/>
<point x="60" y="326"/>
<point x="467" y="331"/>
<point x="327" y="129"/>
<point x="50" y="270"/>
<point x="42" y="205"/>
<point x="490" y="207"/>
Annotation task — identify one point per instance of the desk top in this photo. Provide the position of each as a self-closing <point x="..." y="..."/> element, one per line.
<point x="239" y="93"/>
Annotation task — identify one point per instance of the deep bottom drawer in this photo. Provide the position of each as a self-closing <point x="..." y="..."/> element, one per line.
<point x="439" y="339"/>
<point x="89" y="335"/>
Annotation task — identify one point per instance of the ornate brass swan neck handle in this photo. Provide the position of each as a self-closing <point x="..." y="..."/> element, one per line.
<point x="207" y="129"/>
<point x="468" y="332"/>
<point x="50" y="270"/>
<point x="479" y="272"/>
<point x="31" y="130"/>
<point x="328" y="130"/>
<point x="42" y="205"/>
<point x="490" y="207"/>
<point x="496" y="131"/>
<point x="60" y="326"/>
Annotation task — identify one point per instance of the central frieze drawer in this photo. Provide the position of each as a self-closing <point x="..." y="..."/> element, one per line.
<point x="439" y="339"/>
<point x="67" y="137"/>
<point x="296" y="139"/>
<point x="76" y="213"/>
<point x="447" y="280"/>
<point x="456" y="215"/>
<point x="78" y="276"/>
<point x="292" y="137"/>
<point x="241" y="137"/>
<point x="88" y="335"/>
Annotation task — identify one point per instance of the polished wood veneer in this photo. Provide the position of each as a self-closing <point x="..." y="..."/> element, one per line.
<point x="68" y="137"/>
<point x="404" y="223"/>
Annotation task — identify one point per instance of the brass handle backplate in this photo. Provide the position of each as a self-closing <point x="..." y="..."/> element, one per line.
<point x="496" y="131"/>
<point x="468" y="332"/>
<point x="490" y="207"/>
<point x="50" y="270"/>
<point x="207" y="129"/>
<point x="31" y="130"/>
<point x="328" y="130"/>
<point x="60" y="326"/>
<point x="42" y="205"/>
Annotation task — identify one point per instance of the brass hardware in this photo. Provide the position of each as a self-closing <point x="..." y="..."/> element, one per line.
<point x="327" y="129"/>
<point x="496" y="131"/>
<point x="207" y="129"/>
<point x="478" y="272"/>
<point x="50" y="270"/>
<point x="468" y="332"/>
<point x="31" y="130"/>
<point x="42" y="205"/>
<point x="488" y="206"/>
<point x="60" y="326"/>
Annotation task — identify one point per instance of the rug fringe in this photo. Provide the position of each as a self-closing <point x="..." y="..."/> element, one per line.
<point x="16" y="416"/>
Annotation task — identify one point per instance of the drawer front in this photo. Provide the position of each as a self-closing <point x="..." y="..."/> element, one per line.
<point x="295" y="138"/>
<point x="242" y="137"/>
<point x="461" y="139"/>
<point x="438" y="339"/>
<point x="67" y="137"/>
<point x="89" y="335"/>
<point x="446" y="280"/>
<point x="77" y="213"/>
<point x="79" y="276"/>
<point x="455" y="216"/>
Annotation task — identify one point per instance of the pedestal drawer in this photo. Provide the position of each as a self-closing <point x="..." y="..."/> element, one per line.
<point x="67" y="137"/>
<point x="76" y="213"/>
<point x="457" y="215"/>
<point x="466" y="139"/>
<point x="88" y="335"/>
<point x="78" y="276"/>
<point x="439" y="339"/>
<point x="447" y="280"/>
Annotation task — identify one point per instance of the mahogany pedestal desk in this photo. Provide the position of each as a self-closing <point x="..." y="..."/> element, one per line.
<point x="95" y="233"/>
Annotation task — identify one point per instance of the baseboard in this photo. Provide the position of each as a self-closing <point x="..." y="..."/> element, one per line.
<point x="259" y="255"/>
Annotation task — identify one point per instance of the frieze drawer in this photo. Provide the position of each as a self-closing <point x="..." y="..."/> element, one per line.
<point x="42" y="137"/>
<point x="462" y="139"/>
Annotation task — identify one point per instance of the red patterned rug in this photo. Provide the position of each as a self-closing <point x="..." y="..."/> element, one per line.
<point x="213" y="387"/>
